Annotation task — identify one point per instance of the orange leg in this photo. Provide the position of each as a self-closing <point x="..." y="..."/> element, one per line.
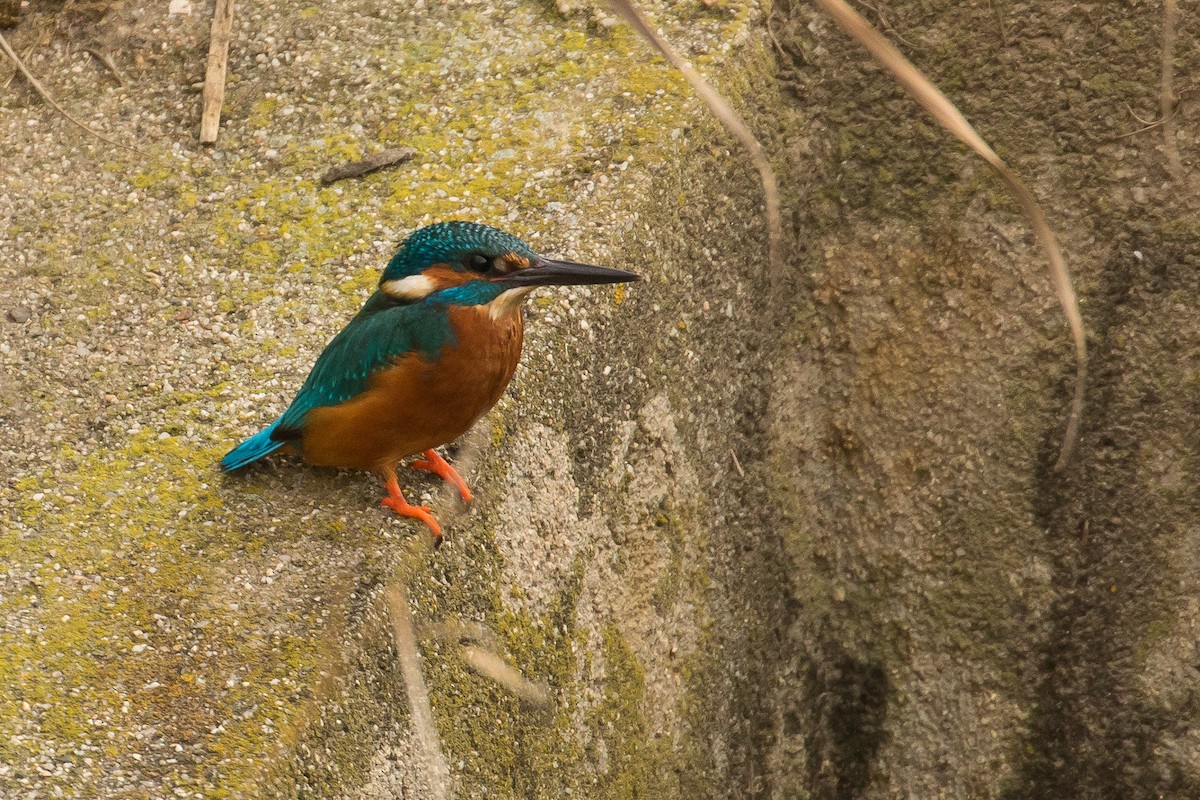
<point x="396" y="502"/>
<point x="438" y="466"/>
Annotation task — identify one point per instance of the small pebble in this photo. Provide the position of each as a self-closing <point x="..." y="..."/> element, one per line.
<point x="19" y="315"/>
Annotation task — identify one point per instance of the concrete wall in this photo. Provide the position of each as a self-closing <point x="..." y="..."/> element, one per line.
<point x="750" y="540"/>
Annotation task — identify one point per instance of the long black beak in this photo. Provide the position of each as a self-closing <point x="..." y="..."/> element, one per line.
<point x="545" y="272"/>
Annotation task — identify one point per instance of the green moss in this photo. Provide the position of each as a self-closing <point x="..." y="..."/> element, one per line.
<point x="504" y="746"/>
<point x="148" y="179"/>
<point x="262" y="112"/>
<point x="637" y="762"/>
<point x="120" y="540"/>
<point x="363" y="281"/>
<point x="670" y="583"/>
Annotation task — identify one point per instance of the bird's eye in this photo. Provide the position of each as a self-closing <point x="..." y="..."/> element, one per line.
<point x="479" y="262"/>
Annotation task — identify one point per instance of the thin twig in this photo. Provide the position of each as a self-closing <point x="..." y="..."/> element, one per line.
<point x="8" y="81"/>
<point x="106" y="60"/>
<point x="41" y="90"/>
<point x="365" y="166"/>
<point x="778" y="45"/>
<point x="887" y="27"/>
<point x="1150" y="127"/>
<point x="1133" y="114"/>
<point x="941" y="109"/>
<point x="1166" y="95"/>
<point x="732" y="122"/>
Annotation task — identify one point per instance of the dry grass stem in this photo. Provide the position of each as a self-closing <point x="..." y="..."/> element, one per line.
<point x="106" y="60"/>
<point x="1167" y="90"/>
<point x="729" y="118"/>
<point x="941" y="109"/>
<point x="1143" y="129"/>
<point x="459" y="631"/>
<point x="420" y="710"/>
<point x="490" y="665"/>
<point x="479" y="652"/>
<point x="45" y="95"/>
<point x="16" y="70"/>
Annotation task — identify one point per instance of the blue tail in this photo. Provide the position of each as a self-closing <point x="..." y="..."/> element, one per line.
<point x="251" y="450"/>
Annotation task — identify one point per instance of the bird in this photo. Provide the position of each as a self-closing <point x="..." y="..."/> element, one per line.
<point x="428" y="354"/>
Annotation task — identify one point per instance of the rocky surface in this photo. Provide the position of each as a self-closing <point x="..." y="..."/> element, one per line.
<point x="800" y="540"/>
<point x="169" y="631"/>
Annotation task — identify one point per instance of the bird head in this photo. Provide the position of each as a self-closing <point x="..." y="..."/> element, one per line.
<point x="465" y="263"/>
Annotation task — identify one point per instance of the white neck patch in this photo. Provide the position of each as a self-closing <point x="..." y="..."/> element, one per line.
<point x="413" y="287"/>
<point x="506" y="304"/>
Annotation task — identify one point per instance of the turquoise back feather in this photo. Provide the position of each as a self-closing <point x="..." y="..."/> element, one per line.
<point x="378" y="335"/>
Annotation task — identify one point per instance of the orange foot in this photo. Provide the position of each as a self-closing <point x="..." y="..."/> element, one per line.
<point x="438" y="466"/>
<point x="396" y="502"/>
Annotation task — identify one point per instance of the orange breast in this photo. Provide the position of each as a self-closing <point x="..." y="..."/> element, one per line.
<point x="417" y="404"/>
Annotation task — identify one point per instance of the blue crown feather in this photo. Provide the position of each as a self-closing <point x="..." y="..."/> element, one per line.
<point x="450" y="243"/>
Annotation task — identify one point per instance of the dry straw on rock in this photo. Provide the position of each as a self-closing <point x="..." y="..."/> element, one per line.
<point x="946" y="114"/>
<point x="949" y="117"/>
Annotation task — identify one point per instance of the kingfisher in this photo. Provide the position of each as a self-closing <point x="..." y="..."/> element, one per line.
<point x="428" y="354"/>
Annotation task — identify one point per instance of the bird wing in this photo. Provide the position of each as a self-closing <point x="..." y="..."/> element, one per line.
<point x="372" y="341"/>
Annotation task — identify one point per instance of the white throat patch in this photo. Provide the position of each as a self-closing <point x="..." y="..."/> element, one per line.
<point x="506" y="304"/>
<point x="413" y="287"/>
